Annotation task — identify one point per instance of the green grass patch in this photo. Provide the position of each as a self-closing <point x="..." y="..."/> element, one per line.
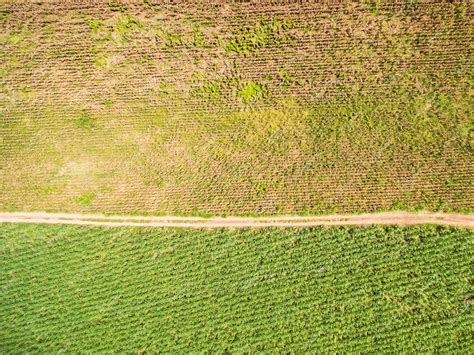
<point x="82" y="289"/>
<point x="171" y="38"/>
<point x="125" y="26"/>
<point x="96" y="25"/>
<point x="265" y="32"/>
<point x="252" y="91"/>
<point x="210" y="90"/>
<point x="85" y="199"/>
<point x="114" y="33"/>
<point x="85" y="120"/>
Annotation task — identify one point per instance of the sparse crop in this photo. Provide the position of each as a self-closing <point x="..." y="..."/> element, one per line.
<point x="185" y="109"/>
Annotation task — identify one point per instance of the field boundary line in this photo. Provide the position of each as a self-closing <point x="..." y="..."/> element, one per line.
<point x="383" y="218"/>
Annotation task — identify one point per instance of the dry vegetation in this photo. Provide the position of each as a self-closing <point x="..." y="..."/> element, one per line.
<point x="236" y="108"/>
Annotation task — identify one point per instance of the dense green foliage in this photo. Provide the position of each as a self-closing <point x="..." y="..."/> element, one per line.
<point x="68" y="288"/>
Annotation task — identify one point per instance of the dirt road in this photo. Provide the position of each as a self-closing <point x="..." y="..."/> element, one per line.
<point x="394" y="218"/>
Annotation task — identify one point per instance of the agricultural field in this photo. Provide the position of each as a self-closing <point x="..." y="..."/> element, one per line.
<point x="120" y="117"/>
<point x="93" y="289"/>
<point x="244" y="108"/>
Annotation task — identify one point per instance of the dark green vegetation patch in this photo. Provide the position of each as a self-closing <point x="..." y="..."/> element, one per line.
<point x="68" y="288"/>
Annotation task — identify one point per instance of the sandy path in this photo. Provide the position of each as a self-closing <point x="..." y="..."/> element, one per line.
<point x="395" y="218"/>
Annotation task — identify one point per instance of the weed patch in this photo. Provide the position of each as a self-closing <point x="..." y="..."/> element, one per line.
<point x="85" y="120"/>
<point x="263" y="33"/>
<point x="85" y="199"/>
<point x="251" y="92"/>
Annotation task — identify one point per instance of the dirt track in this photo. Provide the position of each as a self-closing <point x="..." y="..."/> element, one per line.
<point x="394" y="218"/>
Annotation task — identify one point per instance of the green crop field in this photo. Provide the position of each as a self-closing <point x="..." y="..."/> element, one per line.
<point x="78" y="289"/>
<point x="236" y="107"/>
